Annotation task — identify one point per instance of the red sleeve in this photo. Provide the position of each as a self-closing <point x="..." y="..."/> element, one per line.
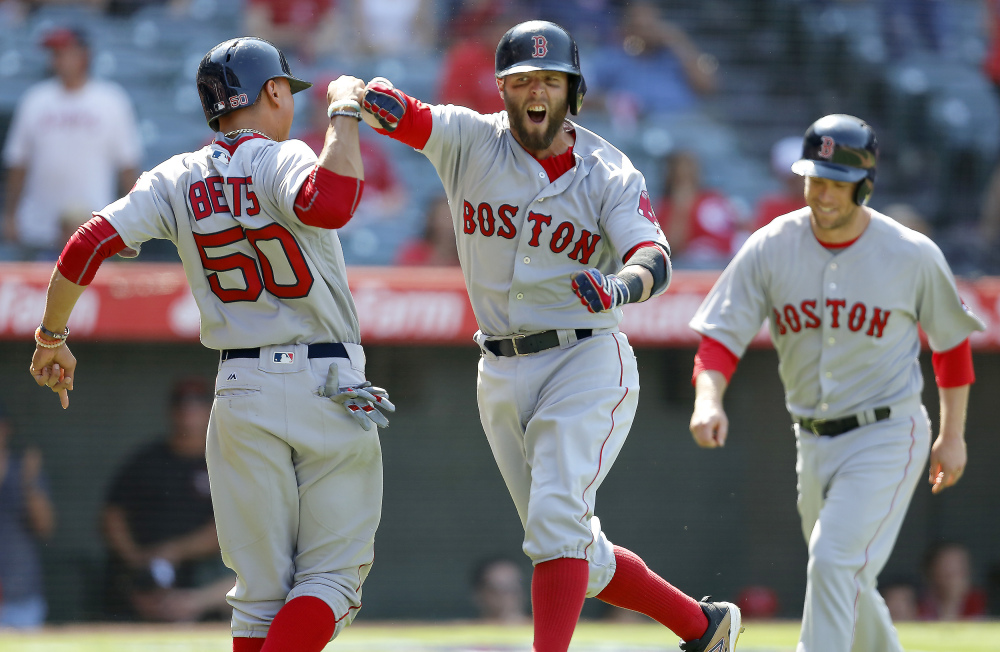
<point x="953" y="368"/>
<point x="631" y="252"/>
<point x="92" y="243"/>
<point x="415" y="127"/>
<point x="713" y="355"/>
<point x="327" y="199"/>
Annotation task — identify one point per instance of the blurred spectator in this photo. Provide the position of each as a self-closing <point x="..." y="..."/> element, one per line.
<point x="989" y="221"/>
<point x="912" y="26"/>
<point x="26" y="518"/>
<point x="900" y="595"/>
<point x="498" y="585"/>
<point x="701" y="225"/>
<point x="993" y="589"/>
<point x="468" y="76"/>
<point x="908" y="216"/>
<point x="757" y="601"/>
<point x="383" y="196"/>
<point x="949" y="593"/>
<point x="991" y="62"/>
<point x="73" y="147"/>
<point x="591" y="22"/>
<point x="393" y="28"/>
<point x="792" y="196"/>
<point x="436" y="245"/>
<point x="656" y="68"/>
<point x="158" y="522"/>
<point x="129" y="7"/>
<point x="306" y="29"/>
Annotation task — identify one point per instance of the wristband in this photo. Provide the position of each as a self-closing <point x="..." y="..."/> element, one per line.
<point x="53" y="336"/>
<point x="347" y="114"/>
<point x="342" y="104"/>
<point x="46" y="343"/>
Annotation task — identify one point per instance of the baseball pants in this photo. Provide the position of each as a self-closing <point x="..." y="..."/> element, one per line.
<point x="296" y="486"/>
<point x="556" y="421"/>
<point x="854" y="490"/>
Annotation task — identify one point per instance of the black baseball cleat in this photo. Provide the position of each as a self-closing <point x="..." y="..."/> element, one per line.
<point x="724" y="628"/>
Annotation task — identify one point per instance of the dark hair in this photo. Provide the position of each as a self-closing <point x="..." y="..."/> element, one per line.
<point x="192" y="389"/>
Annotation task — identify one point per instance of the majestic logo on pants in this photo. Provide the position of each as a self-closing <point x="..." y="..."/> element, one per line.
<point x="284" y="357"/>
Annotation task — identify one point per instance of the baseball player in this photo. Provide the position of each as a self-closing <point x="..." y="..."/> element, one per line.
<point x="296" y="478"/>
<point x="555" y="234"/>
<point x="844" y="289"/>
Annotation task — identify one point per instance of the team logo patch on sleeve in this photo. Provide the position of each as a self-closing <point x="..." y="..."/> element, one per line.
<point x="284" y="357"/>
<point x="646" y="209"/>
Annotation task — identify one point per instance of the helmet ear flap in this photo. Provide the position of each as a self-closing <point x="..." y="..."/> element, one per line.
<point x="864" y="190"/>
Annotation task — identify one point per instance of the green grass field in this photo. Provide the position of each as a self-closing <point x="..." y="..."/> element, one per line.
<point x="463" y="637"/>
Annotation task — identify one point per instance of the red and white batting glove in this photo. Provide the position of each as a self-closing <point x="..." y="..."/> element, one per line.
<point x="599" y="292"/>
<point x="384" y="102"/>
<point x="362" y="402"/>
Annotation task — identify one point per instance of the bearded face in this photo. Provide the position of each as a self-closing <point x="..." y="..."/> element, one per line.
<point x="536" y="103"/>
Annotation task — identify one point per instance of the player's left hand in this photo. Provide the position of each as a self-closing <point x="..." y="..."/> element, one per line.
<point x="362" y="402"/>
<point x="54" y="368"/>
<point x="948" y="459"/>
<point x="599" y="292"/>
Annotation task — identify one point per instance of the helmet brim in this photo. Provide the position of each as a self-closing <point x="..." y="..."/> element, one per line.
<point x="297" y="84"/>
<point x="527" y="67"/>
<point x="809" y="168"/>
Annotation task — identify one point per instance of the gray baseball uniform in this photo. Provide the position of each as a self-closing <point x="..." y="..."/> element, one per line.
<point x="296" y="481"/>
<point x="555" y="420"/>
<point x="845" y="327"/>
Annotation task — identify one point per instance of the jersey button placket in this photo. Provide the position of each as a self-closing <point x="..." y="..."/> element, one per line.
<point x="829" y="338"/>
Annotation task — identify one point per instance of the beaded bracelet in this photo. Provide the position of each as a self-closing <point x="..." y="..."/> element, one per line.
<point x="342" y="104"/>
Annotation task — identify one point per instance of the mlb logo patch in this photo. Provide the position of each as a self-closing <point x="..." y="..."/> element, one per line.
<point x="284" y="357"/>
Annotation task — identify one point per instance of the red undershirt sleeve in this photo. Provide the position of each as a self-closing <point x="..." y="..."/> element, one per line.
<point x="92" y="243"/>
<point x="641" y="245"/>
<point x="327" y="199"/>
<point x="953" y="368"/>
<point x="712" y="355"/>
<point x="415" y="127"/>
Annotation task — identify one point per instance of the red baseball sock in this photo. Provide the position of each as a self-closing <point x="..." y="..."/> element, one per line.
<point x="244" y="644"/>
<point x="635" y="587"/>
<point x="558" y="589"/>
<point x="304" y="624"/>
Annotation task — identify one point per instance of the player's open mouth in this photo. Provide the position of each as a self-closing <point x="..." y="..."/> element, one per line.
<point x="536" y="113"/>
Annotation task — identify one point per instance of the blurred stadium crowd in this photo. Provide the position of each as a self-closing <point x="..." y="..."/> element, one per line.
<point x="707" y="97"/>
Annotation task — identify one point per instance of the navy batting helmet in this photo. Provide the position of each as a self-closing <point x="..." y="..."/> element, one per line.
<point x="843" y="148"/>
<point x="233" y="73"/>
<point x="541" y="45"/>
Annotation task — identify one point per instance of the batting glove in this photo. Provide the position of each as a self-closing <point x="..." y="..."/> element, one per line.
<point x="385" y="103"/>
<point x="599" y="292"/>
<point x="362" y="402"/>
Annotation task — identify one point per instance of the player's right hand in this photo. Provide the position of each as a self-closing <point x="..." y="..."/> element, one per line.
<point x="709" y="424"/>
<point x="362" y="402"/>
<point x="54" y="368"/>
<point x="384" y="103"/>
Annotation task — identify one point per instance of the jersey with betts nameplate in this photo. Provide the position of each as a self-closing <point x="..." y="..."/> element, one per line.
<point x="844" y="323"/>
<point x="520" y="237"/>
<point x="258" y="274"/>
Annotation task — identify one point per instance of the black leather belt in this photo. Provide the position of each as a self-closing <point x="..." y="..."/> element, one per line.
<point x="834" y="427"/>
<point x="525" y="344"/>
<point x="321" y="350"/>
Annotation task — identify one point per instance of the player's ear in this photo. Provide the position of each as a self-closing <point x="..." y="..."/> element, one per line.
<point x="500" y="86"/>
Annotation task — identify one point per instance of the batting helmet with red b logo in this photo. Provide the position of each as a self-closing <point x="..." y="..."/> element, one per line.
<point x="842" y="148"/>
<point x="233" y="73"/>
<point x="541" y="45"/>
